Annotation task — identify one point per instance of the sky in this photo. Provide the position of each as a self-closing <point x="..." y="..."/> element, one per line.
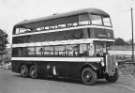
<point x="14" y="11"/>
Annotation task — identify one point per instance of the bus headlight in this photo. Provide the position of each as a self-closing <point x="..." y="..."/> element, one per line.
<point x="116" y="63"/>
<point x="102" y="63"/>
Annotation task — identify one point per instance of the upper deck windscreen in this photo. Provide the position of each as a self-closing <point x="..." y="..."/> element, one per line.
<point x="93" y="19"/>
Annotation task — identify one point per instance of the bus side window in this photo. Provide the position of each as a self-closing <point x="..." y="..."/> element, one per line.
<point x="91" y="49"/>
<point x="84" y="19"/>
<point x="17" y="31"/>
<point x="30" y="51"/>
<point x="83" y="50"/>
<point x="75" y="50"/>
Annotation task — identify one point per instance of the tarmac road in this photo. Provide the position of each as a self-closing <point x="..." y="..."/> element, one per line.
<point x="12" y="83"/>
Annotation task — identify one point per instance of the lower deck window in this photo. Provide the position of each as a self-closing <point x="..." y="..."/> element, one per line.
<point x="60" y="50"/>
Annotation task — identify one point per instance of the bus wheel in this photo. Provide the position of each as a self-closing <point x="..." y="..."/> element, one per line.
<point x="113" y="78"/>
<point x="24" y="71"/>
<point x="88" y="76"/>
<point x="34" y="71"/>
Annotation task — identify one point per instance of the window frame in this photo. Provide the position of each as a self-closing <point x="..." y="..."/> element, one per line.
<point x="96" y="15"/>
<point x="109" y="20"/>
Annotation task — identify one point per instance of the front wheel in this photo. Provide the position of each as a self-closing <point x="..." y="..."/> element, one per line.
<point x="88" y="76"/>
<point x="113" y="78"/>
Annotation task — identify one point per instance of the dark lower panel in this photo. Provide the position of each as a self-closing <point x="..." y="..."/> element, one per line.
<point x="64" y="69"/>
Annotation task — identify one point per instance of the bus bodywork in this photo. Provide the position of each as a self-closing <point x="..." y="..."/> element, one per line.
<point x="73" y="45"/>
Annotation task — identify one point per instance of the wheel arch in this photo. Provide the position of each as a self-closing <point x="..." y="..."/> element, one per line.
<point x="89" y="65"/>
<point x="93" y="70"/>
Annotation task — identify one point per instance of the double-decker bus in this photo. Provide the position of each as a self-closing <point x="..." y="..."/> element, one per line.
<point x="69" y="45"/>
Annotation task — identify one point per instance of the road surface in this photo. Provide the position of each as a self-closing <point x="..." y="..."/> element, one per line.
<point x="12" y="83"/>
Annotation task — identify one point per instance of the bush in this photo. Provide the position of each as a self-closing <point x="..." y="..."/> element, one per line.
<point x="127" y="69"/>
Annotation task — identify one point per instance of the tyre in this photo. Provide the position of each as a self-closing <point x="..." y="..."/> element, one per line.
<point x="24" y="71"/>
<point x="88" y="76"/>
<point x="34" y="72"/>
<point x="113" y="78"/>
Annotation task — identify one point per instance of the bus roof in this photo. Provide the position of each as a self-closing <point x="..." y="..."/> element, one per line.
<point x="54" y="16"/>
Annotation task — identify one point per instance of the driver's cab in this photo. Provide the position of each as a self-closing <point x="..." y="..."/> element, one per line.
<point x="101" y="49"/>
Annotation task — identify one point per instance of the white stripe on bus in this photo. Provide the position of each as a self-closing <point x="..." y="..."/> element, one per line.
<point x="64" y="29"/>
<point x="59" y="59"/>
<point x="62" y="42"/>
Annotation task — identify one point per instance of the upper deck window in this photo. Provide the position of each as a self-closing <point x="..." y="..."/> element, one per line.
<point x="96" y="19"/>
<point x="21" y="30"/>
<point x="84" y="19"/>
<point x="107" y="21"/>
<point x="64" y="22"/>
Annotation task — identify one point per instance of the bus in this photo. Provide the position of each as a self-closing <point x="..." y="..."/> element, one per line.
<point x="70" y="45"/>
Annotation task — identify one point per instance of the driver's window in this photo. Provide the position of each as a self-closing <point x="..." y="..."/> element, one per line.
<point x="108" y="46"/>
<point x="100" y="49"/>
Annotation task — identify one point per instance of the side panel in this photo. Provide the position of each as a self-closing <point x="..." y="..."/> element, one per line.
<point x="53" y="68"/>
<point x="53" y="36"/>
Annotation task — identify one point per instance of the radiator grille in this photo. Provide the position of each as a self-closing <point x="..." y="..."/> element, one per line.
<point x="110" y="65"/>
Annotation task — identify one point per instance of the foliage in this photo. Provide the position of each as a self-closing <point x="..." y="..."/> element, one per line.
<point x="3" y="42"/>
<point x="120" y="41"/>
<point x="127" y="69"/>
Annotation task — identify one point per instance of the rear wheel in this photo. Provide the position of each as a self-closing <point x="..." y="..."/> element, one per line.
<point x="24" y="71"/>
<point x="34" y="71"/>
<point x="88" y="76"/>
<point x="113" y="78"/>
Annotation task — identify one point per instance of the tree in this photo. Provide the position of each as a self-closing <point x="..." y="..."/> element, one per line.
<point x="3" y="42"/>
<point x="120" y="41"/>
<point x="130" y="42"/>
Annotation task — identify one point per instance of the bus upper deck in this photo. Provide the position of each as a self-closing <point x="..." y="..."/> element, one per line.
<point x="81" y="19"/>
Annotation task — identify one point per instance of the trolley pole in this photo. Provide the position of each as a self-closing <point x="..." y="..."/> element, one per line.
<point x="132" y="26"/>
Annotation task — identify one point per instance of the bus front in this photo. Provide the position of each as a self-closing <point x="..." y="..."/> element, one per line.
<point x="102" y="36"/>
